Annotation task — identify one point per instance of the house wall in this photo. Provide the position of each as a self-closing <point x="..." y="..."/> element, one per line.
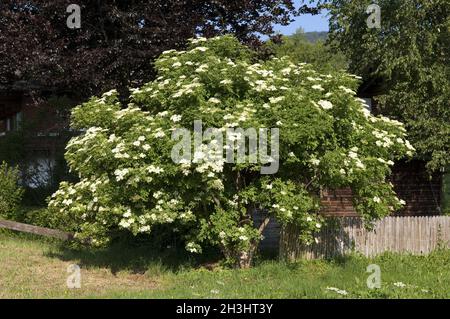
<point x="411" y="183"/>
<point x="41" y="129"/>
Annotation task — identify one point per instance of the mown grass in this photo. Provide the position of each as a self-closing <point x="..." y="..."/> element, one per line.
<point x="34" y="268"/>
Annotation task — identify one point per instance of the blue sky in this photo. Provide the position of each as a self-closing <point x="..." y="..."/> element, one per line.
<point x="307" y="22"/>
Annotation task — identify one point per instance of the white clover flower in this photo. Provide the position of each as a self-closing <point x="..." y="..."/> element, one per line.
<point x="399" y="284"/>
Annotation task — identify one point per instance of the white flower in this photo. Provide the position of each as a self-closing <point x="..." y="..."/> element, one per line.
<point x="127" y="214"/>
<point x="226" y="81"/>
<point x="318" y="87"/>
<point x="120" y="173"/>
<point x="291" y="154"/>
<point x="176" y="65"/>
<point x="275" y="100"/>
<point x="309" y="219"/>
<point x="155" y="169"/>
<point x="109" y="93"/>
<point x="399" y="284"/>
<point x="326" y="105"/>
<point x="279" y="123"/>
<point x="353" y="155"/>
<point x="318" y="225"/>
<point x="202" y="49"/>
<point x="377" y="199"/>
<point x="347" y="90"/>
<point x="214" y="100"/>
<point x="269" y="186"/>
<point x="159" y="134"/>
<point x="124" y="223"/>
<point x="243" y="238"/>
<point x="175" y="118"/>
<point x="337" y="290"/>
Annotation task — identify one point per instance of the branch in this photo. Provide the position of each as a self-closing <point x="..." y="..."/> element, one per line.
<point x="264" y="225"/>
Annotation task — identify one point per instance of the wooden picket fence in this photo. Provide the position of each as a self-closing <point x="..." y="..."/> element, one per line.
<point x="417" y="235"/>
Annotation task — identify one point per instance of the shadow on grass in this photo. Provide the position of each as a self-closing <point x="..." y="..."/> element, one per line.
<point x="135" y="258"/>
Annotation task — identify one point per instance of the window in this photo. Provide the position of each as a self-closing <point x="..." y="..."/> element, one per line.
<point x="11" y="123"/>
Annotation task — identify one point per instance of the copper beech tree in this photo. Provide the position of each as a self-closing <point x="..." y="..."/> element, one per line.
<point x="117" y="40"/>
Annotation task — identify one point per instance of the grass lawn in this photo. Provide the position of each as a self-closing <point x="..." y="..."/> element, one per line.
<point x="34" y="268"/>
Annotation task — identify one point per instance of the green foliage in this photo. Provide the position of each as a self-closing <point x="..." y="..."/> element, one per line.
<point x="304" y="47"/>
<point x="10" y="192"/>
<point x="129" y="182"/>
<point x="446" y="192"/>
<point x="410" y="56"/>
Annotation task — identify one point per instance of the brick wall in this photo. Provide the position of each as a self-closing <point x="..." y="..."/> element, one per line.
<point x="411" y="183"/>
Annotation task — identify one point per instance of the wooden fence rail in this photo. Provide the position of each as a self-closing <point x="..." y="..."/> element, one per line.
<point x="35" y="230"/>
<point x="417" y="235"/>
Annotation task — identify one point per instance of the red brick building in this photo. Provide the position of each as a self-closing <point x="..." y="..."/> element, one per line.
<point x="39" y="128"/>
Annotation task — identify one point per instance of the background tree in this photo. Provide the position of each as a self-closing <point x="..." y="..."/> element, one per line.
<point x="409" y="58"/>
<point x="118" y="40"/>
<point x="310" y="48"/>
